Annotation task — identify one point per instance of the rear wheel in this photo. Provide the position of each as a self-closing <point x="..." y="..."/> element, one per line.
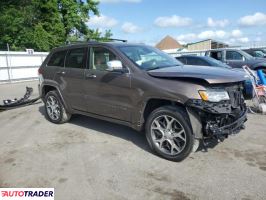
<point x="169" y="133"/>
<point x="54" y="108"/>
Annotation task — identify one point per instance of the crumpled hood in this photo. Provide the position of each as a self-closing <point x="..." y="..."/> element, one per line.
<point x="212" y="75"/>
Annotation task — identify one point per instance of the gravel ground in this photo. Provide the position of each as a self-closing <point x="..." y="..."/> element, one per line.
<point x="93" y="159"/>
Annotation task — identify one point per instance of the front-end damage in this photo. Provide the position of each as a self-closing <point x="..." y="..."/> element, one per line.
<point x="218" y="119"/>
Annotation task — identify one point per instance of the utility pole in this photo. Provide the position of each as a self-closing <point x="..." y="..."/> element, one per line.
<point x="7" y="62"/>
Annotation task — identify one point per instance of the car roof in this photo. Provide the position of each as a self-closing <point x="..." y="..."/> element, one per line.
<point x="191" y="56"/>
<point x="222" y="49"/>
<point x="253" y="49"/>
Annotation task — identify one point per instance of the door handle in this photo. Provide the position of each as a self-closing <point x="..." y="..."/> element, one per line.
<point x="61" y="73"/>
<point x="90" y="76"/>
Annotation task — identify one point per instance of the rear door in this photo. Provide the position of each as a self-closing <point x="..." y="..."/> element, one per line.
<point x="71" y="78"/>
<point x="234" y="59"/>
<point x="218" y="55"/>
<point x="55" y="65"/>
<point x="107" y="93"/>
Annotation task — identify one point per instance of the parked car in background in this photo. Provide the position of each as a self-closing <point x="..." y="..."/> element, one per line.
<point x="201" y="61"/>
<point x="256" y="52"/>
<point x="237" y="58"/>
<point x="209" y="61"/>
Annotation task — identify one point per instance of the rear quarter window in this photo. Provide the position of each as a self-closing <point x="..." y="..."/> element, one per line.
<point x="57" y="59"/>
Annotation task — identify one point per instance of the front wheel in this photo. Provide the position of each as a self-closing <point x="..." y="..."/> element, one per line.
<point x="169" y="133"/>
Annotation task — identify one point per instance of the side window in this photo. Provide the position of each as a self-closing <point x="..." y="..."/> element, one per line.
<point x="76" y="58"/>
<point x="57" y="59"/>
<point x="182" y="60"/>
<point x="196" y="61"/>
<point x="233" y="55"/>
<point x="216" y="55"/>
<point x="100" y="57"/>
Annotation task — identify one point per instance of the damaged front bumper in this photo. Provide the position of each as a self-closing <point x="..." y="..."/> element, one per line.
<point x="233" y="127"/>
<point x="216" y="120"/>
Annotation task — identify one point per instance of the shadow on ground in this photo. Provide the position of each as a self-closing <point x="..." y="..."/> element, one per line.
<point x="104" y="127"/>
<point x="126" y="133"/>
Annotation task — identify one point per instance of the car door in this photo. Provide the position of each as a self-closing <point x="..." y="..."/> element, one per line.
<point x="71" y="78"/>
<point x="218" y="55"/>
<point x="234" y="59"/>
<point x="107" y="93"/>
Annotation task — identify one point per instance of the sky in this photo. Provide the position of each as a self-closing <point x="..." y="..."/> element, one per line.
<point x="236" y="22"/>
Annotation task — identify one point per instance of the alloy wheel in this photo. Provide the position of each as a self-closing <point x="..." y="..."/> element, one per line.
<point x="168" y="135"/>
<point x="53" y="108"/>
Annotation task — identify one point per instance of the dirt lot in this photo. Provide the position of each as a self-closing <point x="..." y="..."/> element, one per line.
<point x="93" y="159"/>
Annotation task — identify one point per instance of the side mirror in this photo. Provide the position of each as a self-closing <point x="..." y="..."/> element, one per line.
<point x="114" y="66"/>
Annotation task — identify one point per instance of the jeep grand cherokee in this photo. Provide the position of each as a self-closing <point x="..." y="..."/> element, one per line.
<point x="142" y="87"/>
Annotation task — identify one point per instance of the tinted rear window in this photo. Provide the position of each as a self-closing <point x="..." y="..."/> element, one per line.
<point x="196" y="61"/>
<point x="57" y="59"/>
<point x="76" y="58"/>
<point x="182" y="60"/>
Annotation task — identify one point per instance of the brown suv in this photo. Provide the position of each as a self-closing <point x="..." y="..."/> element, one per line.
<point x="146" y="89"/>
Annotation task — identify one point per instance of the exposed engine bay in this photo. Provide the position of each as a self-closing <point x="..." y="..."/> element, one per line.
<point x="220" y="119"/>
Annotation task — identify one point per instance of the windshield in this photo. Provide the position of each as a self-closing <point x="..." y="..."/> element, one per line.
<point x="259" y="54"/>
<point x="246" y="55"/>
<point x="148" y="58"/>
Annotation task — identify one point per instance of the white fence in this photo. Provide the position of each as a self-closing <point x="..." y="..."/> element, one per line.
<point x="18" y="66"/>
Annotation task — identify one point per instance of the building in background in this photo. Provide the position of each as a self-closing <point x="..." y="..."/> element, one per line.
<point x="206" y="45"/>
<point x="168" y="43"/>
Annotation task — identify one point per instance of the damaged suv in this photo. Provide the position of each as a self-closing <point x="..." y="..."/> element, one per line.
<point x="142" y="87"/>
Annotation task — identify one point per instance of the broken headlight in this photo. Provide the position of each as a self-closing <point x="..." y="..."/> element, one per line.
<point x="214" y="95"/>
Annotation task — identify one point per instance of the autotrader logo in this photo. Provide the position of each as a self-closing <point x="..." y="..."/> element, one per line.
<point x="27" y="193"/>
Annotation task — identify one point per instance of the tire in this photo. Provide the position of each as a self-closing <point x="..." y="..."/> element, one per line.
<point x="170" y="143"/>
<point x="60" y="115"/>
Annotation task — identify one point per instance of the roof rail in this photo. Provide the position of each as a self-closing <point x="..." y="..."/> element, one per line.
<point x="92" y="40"/>
<point x="107" y="39"/>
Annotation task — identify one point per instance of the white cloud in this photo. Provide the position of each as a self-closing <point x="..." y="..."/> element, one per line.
<point x="129" y="27"/>
<point x="253" y="20"/>
<point x="237" y="41"/>
<point x="243" y="40"/>
<point x="120" y="1"/>
<point x="217" y="23"/>
<point x="212" y="34"/>
<point x="237" y="33"/>
<point x="172" y="21"/>
<point x="257" y="39"/>
<point x="220" y="34"/>
<point x="102" y="21"/>
<point x="186" y="38"/>
<point x="233" y="37"/>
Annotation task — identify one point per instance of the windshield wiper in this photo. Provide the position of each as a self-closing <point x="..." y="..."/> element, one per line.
<point x="153" y="68"/>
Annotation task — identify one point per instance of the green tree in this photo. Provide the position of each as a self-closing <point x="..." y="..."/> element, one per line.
<point x="44" y="24"/>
